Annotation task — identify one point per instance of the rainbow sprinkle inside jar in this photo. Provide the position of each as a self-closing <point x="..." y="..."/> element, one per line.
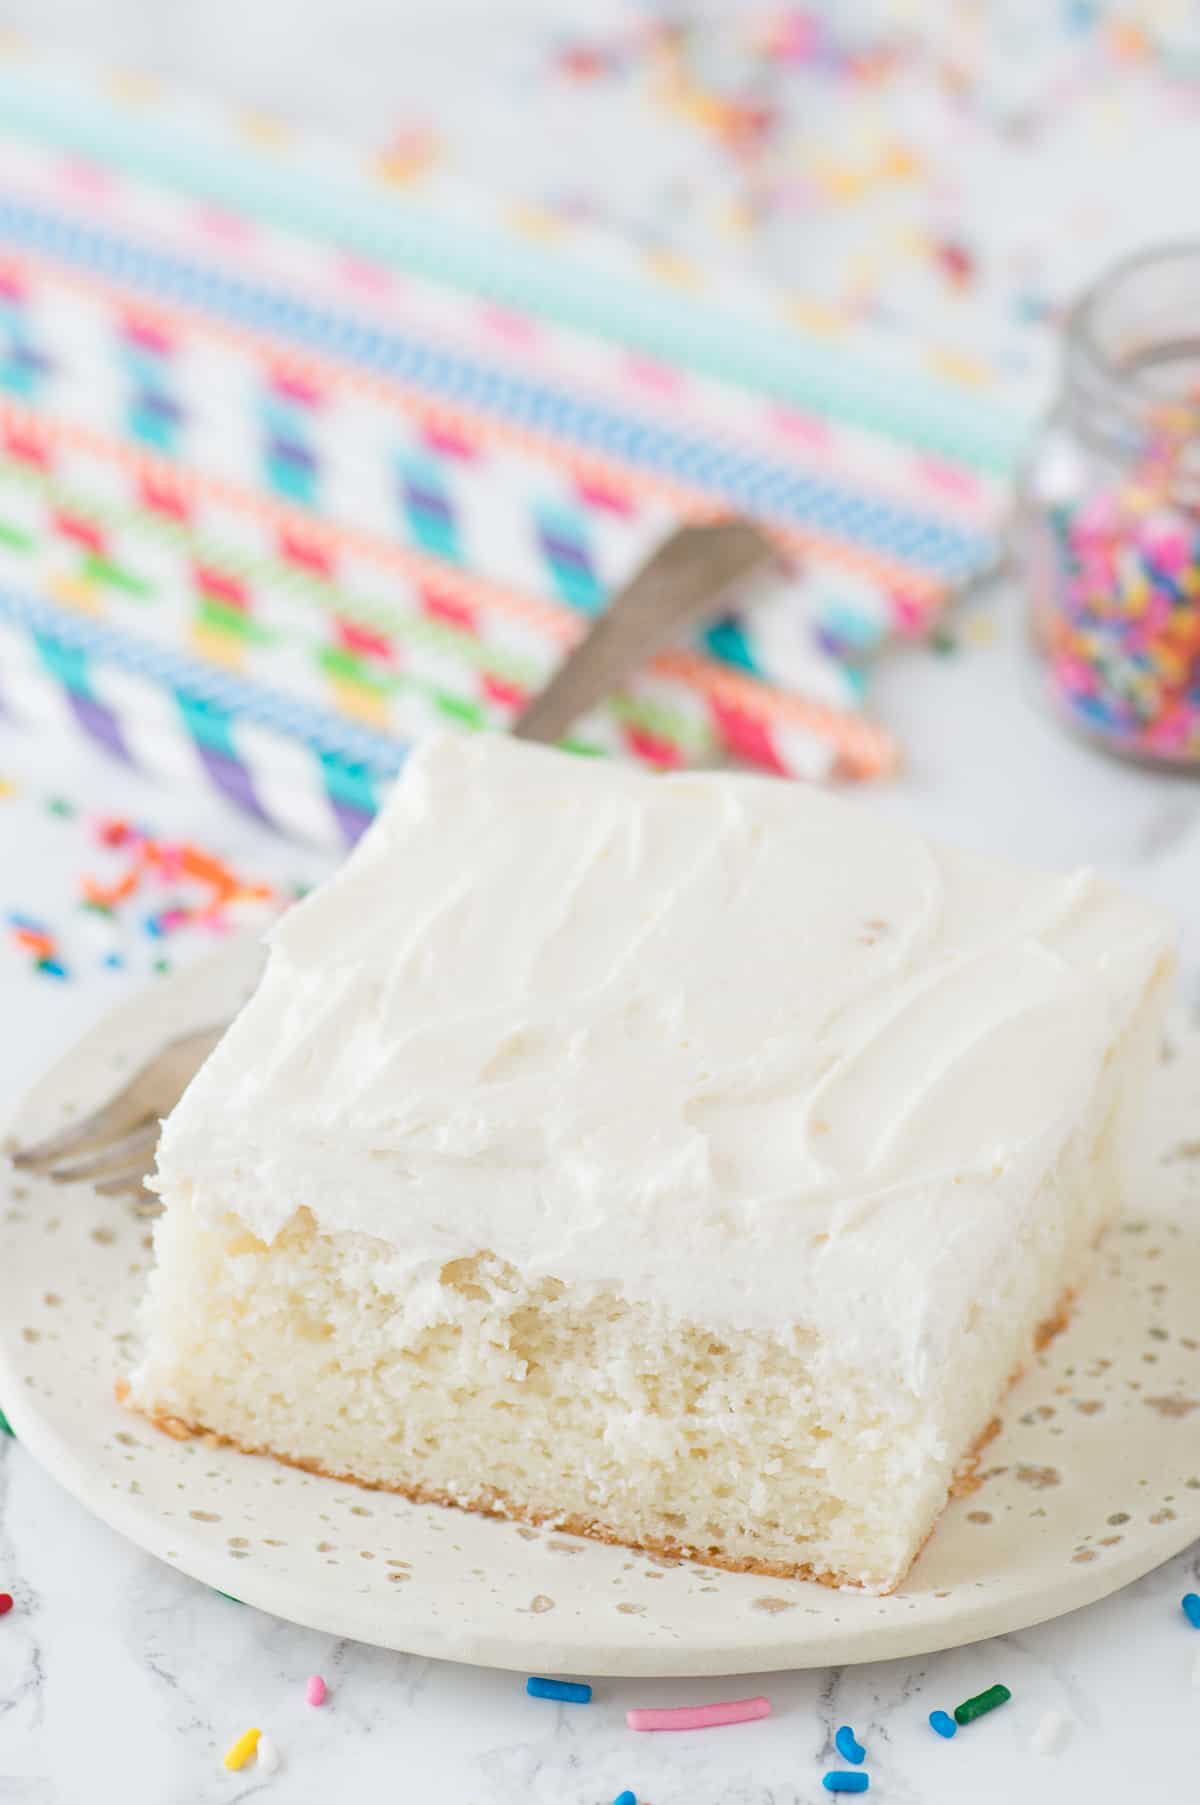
<point x="1111" y="515"/>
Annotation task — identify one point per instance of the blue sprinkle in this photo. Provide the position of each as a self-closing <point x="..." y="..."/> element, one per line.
<point x="943" y="1723"/>
<point x="52" y="968"/>
<point x="849" y="1747"/>
<point x="567" y="1690"/>
<point x="1191" y="1608"/>
<point x="836" y="1782"/>
<point x="113" y="961"/>
<point x="625" y="1798"/>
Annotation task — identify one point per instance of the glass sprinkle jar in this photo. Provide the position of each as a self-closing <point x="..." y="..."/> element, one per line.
<point x="1109" y="514"/>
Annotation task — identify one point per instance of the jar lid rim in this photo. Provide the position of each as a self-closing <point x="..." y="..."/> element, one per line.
<point x="1082" y="336"/>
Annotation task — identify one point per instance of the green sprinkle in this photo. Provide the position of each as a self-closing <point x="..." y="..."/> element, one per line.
<point x="58" y="805"/>
<point x="15" y="537"/>
<point x="981" y="1704"/>
<point x="228" y="1595"/>
<point x="581" y="748"/>
<point x="944" y="644"/>
<point x="162" y="965"/>
<point x="6" y="1427"/>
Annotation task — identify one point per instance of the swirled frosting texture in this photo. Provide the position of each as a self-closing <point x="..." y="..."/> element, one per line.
<point x="728" y="1044"/>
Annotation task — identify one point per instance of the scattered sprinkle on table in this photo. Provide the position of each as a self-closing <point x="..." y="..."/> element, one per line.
<point x="943" y="1723"/>
<point x="569" y="1692"/>
<point x="1190" y="1603"/>
<point x="6" y="1603"/>
<point x="267" y="1755"/>
<point x="316" y="1690"/>
<point x="1051" y="1733"/>
<point x="6" y="1427"/>
<point x="849" y="1747"/>
<point x="843" y="1782"/>
<point x="625" y="1798"/>
<point x="981" y="1704"/>
<point x="699" y="1717"/>
<point x="239" y="1752"/>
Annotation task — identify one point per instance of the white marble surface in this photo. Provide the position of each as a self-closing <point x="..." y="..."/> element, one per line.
<point x="121" y="1680"/>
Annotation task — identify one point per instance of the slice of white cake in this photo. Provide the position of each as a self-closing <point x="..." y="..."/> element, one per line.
<point x="687" y="1161"/>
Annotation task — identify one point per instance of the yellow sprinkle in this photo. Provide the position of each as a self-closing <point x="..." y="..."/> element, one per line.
<point x="842" y="183"/>
<point x="535" y="222"/>
<point x="670" y="267"/>
<point x="240" y="1752"/>
<point x="959" y="367"/>
<point x="814" y="316"/>
<point x="265" y="129"/>
<point x="401" y="168"/>
<point x="899" y="163"/>
<point x="133" y="87"/>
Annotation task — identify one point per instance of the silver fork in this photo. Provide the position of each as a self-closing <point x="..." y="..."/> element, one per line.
<point x="114" y="1146"/>
<point x="687" y="579"/>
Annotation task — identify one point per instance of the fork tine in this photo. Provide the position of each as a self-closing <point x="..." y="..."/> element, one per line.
<point x="126" y="1184"/>
<point x="153" y="1091"/>
<point x="144" y="1202"/>
<point x="114" y="1117"/>
<point x="115" y="1156"/>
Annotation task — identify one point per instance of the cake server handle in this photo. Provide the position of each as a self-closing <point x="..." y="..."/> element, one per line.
<point x="684" y="582"/>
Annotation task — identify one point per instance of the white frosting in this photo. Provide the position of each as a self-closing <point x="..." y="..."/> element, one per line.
<point x="725" y="1043"/>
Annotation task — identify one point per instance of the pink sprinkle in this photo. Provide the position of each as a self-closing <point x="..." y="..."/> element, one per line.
<point x="1167" y="544"/>
<point x="1099" y="517"/>
<point x="911" y="615"/>
<point x="315" y="1691"/>
<point x="700" y="1717"/>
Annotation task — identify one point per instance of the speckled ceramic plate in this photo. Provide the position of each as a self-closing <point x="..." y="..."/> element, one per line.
<point x="1094" y="1479"/>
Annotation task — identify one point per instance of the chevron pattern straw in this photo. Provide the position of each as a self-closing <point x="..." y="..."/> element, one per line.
<point x="288" y="472"/>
